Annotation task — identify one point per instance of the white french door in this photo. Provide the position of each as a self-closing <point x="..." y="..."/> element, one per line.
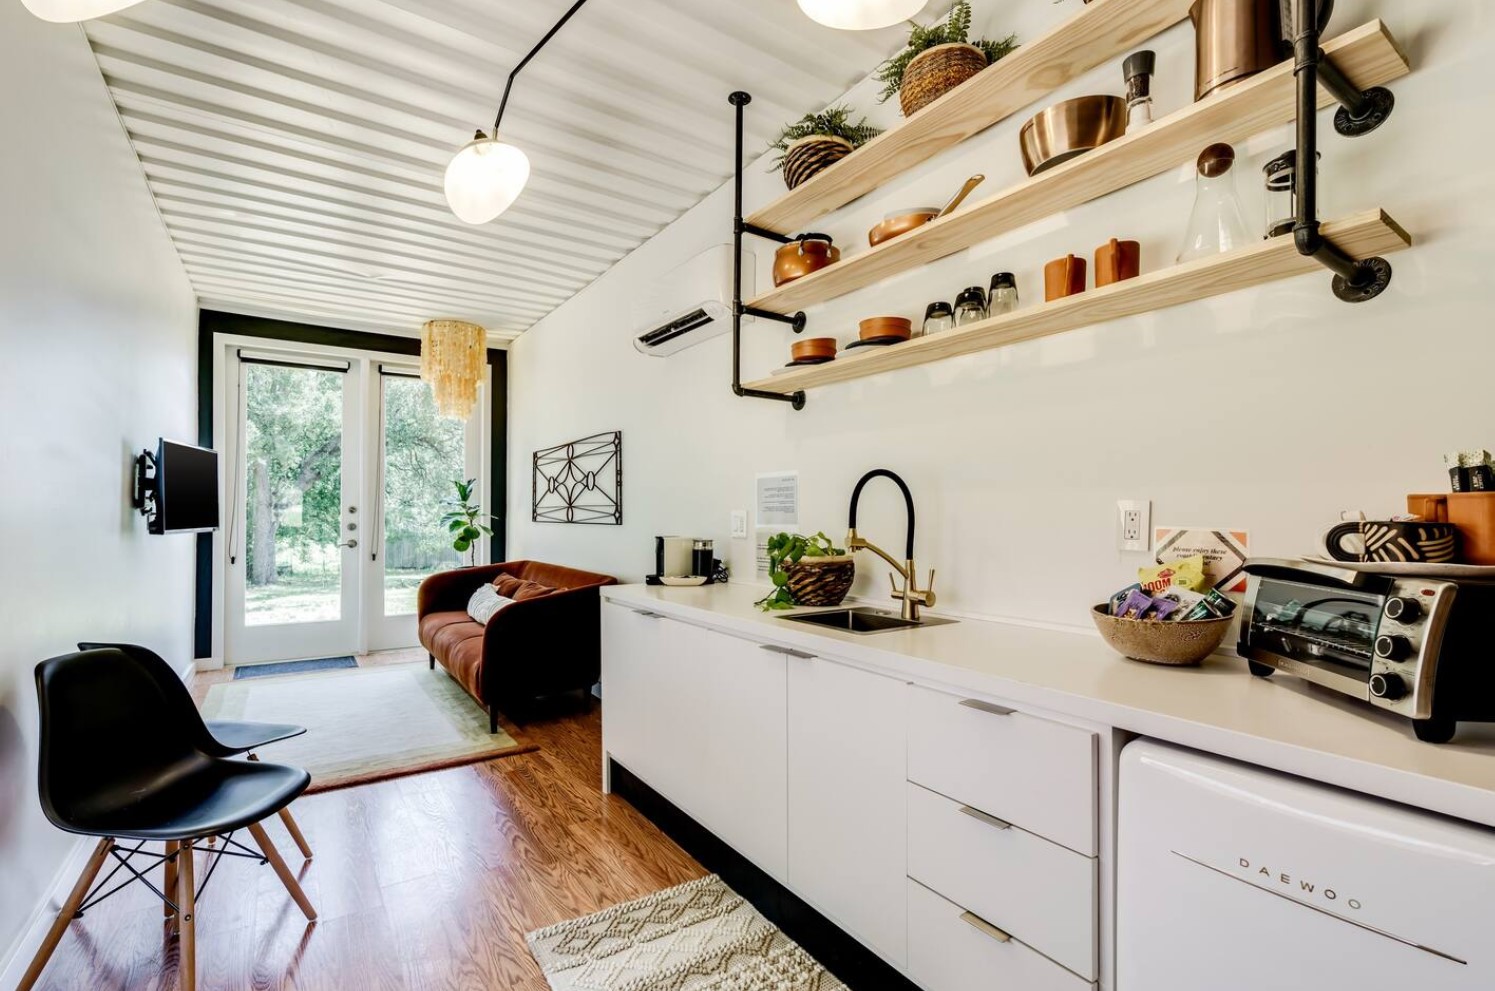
<point x="337" y="471"/>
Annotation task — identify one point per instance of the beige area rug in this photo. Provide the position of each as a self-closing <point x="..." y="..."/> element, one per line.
<point x="366" y="724"/>
<point x="700" y="936"/>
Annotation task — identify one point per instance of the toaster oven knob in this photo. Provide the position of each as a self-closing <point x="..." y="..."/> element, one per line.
<point x="1393" y="648"/>
<point x="1388" y="686"/>
<point x="1403" y="609"/>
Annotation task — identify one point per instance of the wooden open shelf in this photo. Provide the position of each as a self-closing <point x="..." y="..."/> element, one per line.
<point x="1368" y="55"/>
<point x="1362" y="236"/>
<point x="1104" y="30"/>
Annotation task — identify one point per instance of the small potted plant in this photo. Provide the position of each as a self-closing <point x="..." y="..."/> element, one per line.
<point x="939" y="58"/>
<point x="464" y="519"/>
<point x="815" y="142"/>
<point x="806" y="571"/>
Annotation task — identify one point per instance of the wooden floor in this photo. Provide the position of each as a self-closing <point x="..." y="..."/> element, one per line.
<point x="423" y="882"/>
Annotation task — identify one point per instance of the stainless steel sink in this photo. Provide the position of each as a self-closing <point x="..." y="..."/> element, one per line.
<point x="864" y="620"/>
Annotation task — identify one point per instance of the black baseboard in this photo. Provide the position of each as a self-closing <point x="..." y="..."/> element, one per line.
<point x="858" y="967"/>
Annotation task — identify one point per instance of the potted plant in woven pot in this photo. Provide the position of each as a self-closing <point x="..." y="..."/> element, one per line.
<point x="815" y="142"/>
<point x="939" y="58"/>
<point x="806" y="571"/>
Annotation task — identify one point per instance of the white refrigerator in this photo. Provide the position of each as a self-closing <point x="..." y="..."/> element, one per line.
<point x="1234" y="878"/>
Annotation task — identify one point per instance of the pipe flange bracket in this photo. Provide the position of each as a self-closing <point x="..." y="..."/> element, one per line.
<point x="1375" y="277"/>
<point x="1382" y="102"/>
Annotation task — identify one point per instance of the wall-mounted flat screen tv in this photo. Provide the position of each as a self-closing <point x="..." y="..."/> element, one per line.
<point x="186" y="488"/>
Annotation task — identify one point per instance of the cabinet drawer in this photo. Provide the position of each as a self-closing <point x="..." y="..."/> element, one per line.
<point x="1042" y="893"/>
<point x="1032" y="772"/>
<point x="949" y="950"/>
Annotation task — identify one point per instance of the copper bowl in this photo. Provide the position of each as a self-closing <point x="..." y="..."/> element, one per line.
<point x="1071" y="128"/>
<point x="900" y="222"/>
<point x="814" y="347"/>
<point x="874" y="327"/>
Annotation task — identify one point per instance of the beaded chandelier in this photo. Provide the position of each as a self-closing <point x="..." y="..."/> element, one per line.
<point x="452" y="356"/>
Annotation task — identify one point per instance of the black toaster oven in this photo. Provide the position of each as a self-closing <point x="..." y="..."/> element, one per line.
<point x="1419" y="647"/>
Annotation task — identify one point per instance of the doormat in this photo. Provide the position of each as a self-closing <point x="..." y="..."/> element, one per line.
<point x="293" y="667"/>
<point x="367" y="724"/>
<point x="699" y="935"/>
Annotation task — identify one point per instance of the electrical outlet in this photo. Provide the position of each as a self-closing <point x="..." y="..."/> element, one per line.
<point x="739" y="524"/>
<point x="1133" y="524"/>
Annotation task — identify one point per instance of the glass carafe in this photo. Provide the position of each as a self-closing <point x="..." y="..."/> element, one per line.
<point x="1216" y="225"/>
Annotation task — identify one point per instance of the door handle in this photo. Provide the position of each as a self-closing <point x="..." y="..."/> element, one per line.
<point x="991" y="707"/>
<point x="647" y="614"/>
<point x="776" y="649"/>
<point x="980" y="816"/>
<point x="350" y="544"/>
<point x="979" y="924"/>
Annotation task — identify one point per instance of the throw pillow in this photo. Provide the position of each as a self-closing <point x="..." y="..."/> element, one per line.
<point x="520" y="589"/>
<point x="485" y="604"/>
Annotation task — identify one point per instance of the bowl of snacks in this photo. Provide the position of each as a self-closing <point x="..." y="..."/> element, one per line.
<point x="1170" y="616"/>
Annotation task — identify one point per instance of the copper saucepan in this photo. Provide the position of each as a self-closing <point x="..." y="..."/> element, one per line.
<point x="805" y="254"/>
<point x="900" y="222"/>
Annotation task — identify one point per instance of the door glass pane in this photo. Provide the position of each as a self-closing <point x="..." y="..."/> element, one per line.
<point x="423" y="454"/>
<point x="293" y="495"/>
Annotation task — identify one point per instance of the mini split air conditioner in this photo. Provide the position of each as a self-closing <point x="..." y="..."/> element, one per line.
<point x="691" y="304"/>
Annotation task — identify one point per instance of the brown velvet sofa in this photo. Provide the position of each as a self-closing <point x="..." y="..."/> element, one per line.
<point x="538" y="646"/>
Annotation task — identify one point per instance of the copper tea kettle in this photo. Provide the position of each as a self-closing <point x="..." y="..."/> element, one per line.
<point x="1236" y="39"/>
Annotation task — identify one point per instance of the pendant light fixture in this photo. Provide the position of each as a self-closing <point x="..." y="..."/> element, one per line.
<point x="452" y="356"/>
<point x="860" y="15"/>
<point x="71" y="11"/>
<point x="487" y="175"/>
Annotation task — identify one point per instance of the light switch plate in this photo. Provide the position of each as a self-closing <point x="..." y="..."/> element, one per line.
<point x="739" y="524"/>
<point x="1133" y="524"/>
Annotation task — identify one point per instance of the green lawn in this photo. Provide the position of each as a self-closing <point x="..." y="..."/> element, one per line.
<point x="316" y="597"/>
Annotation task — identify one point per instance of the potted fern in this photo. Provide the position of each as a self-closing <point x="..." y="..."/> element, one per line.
<point x="939" y="58"/>
<point x="815" y="142"/>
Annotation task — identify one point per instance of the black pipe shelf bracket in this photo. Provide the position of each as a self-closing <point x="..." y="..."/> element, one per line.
<point x="1360" y="112"/>
<point x="739" y="100"/>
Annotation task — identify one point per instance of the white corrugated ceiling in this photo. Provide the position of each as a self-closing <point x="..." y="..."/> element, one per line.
<point x="296" y="147"/>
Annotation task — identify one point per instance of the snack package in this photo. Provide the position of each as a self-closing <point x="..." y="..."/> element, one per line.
<point x="1186" y="573"/>
<point x="1119" y="599"/>
<point x="1185" y="601"/>
<point x="1212" y="605"/>
<point x="1163" y="608"/>
<point x="1135" y="605"/>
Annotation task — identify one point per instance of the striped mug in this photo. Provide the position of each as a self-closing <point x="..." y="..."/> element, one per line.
<point x="1393" y="542"/>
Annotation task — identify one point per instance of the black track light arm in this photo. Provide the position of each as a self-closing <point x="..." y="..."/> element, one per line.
<point x="526" y="60"/>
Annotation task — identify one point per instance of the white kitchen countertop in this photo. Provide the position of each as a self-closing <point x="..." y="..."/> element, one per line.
<point x="1282" y="723"/>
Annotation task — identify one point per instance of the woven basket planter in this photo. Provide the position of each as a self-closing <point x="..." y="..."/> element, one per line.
<point x="820" y="581"/>
<point x="935" y="72"/>
<point x="814" y="154"/>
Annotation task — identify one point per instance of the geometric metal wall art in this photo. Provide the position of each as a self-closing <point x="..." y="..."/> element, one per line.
<point x="580" y="482"/>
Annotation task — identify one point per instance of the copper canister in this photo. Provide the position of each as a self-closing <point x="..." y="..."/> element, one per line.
<point x="1234" y="40"/>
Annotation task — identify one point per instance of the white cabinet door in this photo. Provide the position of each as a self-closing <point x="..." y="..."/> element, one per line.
<point x="699" y="716"/>
<point x="847" y="823"/>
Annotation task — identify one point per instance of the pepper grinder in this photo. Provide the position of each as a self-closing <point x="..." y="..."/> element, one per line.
<point x="1138" y="70"/>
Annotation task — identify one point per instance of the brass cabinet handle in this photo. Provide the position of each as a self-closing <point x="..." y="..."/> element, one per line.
<point x="776" y="649"/>
<point x="991" y="707"/>
<point x="979" y="924"/>
<point x="980" y="816"/>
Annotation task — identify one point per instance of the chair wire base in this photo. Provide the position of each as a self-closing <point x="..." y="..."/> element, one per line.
<point x="215" y="855"/>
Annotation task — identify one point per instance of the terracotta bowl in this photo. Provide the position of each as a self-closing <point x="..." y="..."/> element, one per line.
<point x="814" y="347"/>
<point x="886" y="327"/>
<point x="1180" y="644"/>
<point x="899" y="223"/>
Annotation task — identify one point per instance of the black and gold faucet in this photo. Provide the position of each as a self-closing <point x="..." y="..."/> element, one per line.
<point x="910" y="595"/>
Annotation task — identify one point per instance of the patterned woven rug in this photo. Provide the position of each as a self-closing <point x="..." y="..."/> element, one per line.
<point x="700" y="936"/>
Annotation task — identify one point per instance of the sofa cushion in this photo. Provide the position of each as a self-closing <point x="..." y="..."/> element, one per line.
<point x="433" y="623"/>
<point x="486" y="603"/>
<point x="520" y="589"/>
<point x="464" y="662"/>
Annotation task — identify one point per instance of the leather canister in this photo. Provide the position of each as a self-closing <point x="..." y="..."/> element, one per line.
<point x="1064" y="277"/>
<point x="1474" y="514"/>
<point x="805" y="254"/>
<point x="1117" y="261"/>
<point x="1234" y="39"/>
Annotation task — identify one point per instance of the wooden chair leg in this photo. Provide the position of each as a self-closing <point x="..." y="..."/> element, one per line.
<point x="170" y="863"/>
<point x="290" y="824"/>
<point x="186" y="899"/>
<point x="282" y="871"/>
<point x="65" y="916"/>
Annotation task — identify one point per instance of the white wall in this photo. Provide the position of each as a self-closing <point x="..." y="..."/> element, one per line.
<point x="97" y="359"/>
<point x="1269" y="410"/>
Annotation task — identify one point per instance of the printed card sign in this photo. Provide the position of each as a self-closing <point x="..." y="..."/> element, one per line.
<point x="1224" y="552"/>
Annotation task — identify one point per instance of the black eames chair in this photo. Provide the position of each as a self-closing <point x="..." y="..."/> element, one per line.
<point x="229" y="738"/>
<point x="127" y="760"/>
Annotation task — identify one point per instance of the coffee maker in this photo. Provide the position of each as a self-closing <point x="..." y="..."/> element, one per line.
<point x="679" y="557"/>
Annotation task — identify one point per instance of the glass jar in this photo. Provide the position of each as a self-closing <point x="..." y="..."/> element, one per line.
<point x="1216" y="225"/>
<point x="1281" y="175"/>
<point x="1003" y="298"/>
<point x="937" y="317"/>
<point x="970" y="306"/>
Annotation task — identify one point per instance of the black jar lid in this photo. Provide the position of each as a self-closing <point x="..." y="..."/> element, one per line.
<point x="940" y="309"/>
<point x="975" y="294"/>
<point x="1003" y="280"/>
<point x="1142" y="63"/>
